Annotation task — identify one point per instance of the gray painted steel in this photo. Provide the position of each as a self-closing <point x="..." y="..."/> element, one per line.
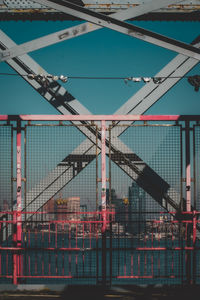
<point x="151" y="93"/>
<point x="51" y="184"/>
<point x="125" y="28"/>
<point x="99" y="5"/>
<point x="78" y="30"/>
<point x="135" y="171"/>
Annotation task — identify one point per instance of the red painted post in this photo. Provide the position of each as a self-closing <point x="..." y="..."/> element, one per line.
<point x="188" y="200"/>
<point x="19" y="185"/>
<point x="103" y="198"/>
<point x="188" y="167"/>
<point x="194" y="227"/>
<point x="194" y="246"/>
<point x="17" y="215"/>
<point x="15" y="244"/>
<point x="103" y="173"/>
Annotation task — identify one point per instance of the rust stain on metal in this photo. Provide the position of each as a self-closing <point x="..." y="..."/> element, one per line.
<point x="30" y="10"/>
<point x="107" y="7"/>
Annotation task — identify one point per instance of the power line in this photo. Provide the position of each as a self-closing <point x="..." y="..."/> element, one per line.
<point x="34" y="76"/>
<point x="42" y="78"/>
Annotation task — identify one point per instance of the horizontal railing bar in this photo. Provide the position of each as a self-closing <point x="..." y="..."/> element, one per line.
<point x="92" y="249"/>
<point x="52" y="222"/>
<point x="39" y="248"/>
<point x="145" y="276"/>
<point x="100" y="117"/>
<point x="45" y="276"/>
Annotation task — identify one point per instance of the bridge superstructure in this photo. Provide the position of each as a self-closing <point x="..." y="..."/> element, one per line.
<point x="29" y="10"/>
<point x="112" y="15"/>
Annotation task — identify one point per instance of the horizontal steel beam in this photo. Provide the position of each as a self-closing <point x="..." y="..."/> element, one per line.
<point x="78" y="30"/>
<point x="122" y="27"/>
<point x="14" y="7"/>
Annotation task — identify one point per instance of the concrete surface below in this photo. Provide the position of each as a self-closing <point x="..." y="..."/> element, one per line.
<point x="96" y="292"/>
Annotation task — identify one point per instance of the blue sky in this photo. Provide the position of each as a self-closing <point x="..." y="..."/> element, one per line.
<point x="100" y="53"/>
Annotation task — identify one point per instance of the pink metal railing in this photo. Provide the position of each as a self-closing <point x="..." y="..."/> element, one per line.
<point x="77" y="238"/>
<point x="22" y="238"/>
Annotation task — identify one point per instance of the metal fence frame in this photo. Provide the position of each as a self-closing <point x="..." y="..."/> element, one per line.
<point x="104" y="217"/>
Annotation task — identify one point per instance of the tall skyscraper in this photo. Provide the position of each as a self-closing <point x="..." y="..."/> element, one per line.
<point x="137" y="208"/>
<point x="115" y="204"/>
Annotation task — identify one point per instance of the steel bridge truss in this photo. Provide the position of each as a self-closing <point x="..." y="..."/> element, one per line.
<point x="119" y="150"/>
<point x="65" y="103"/>
<point x="29" y="10"/>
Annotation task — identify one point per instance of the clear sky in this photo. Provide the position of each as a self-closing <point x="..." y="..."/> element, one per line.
<point x="100" y="53"/>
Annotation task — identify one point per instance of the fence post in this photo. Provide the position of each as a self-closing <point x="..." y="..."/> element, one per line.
<point x="188" y="201"/>
<point x="15" y="244"/>
<point x="103" y="198"/>
<point x="17" y="214"/>
<point x="194" y="245"/>
<point x="188" y="167"/>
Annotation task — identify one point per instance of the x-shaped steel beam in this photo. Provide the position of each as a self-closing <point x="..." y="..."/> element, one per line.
<point x="75" y="31"/>
<point x="122" y="27"/>
<point x="51" y="92"/>
<point x="58" y="178"/>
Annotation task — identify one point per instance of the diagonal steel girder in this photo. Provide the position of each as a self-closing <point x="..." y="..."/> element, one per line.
<point x="78" y="30"/>
<point x="122" y="27"/>
<point x="19" y="66"/>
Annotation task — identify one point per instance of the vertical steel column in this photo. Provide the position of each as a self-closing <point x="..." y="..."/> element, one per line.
<point x="103" y="173"/>
<point x="15" y="244"/>
<point x="195" y="256"/>
<point x="103" y="198"/>
<point x="188" y="202"/>
<point x="19" y="183"/>
<point x="188" y="167"/>
<point x="17" y="214"/>
<point x="194" y="246"/>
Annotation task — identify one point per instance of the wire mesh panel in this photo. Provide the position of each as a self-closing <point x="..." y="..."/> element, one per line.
<point x="55" y="169"/>
<point x="196" y="159"/>
<point x="6" y="200"/>
<point x="61" y="192"/>
<point x="60" y="250"/>
<point x="145" y="179"/>
<point x="197" y="165"/>
<point x="6" y="165"/>
<point x="150" y="252"/>
<point x="151" y="157"/>
<point x="146" y="233"/>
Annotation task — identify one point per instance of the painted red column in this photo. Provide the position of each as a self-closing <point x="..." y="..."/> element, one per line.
<point x="15" y="244"/>
<point x="103" y="199"/>
<point x="194" y="247"/>
<point x="103" y="173"/>
<point x="17" y="215"/>
<point x="188" y="201"/>
<point x="188" y="167"/>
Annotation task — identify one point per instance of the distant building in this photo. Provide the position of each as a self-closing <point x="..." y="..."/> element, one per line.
<point x="83" y="210"/>
<point x="137" y="208"/>
<point x="115" y="204"/>
<point x="67" y="209"/>
<point x="49" y="210"/>
<point x="61" y="210"/>
<point x="73" y="206"/>
<point x="5" y="205"/>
